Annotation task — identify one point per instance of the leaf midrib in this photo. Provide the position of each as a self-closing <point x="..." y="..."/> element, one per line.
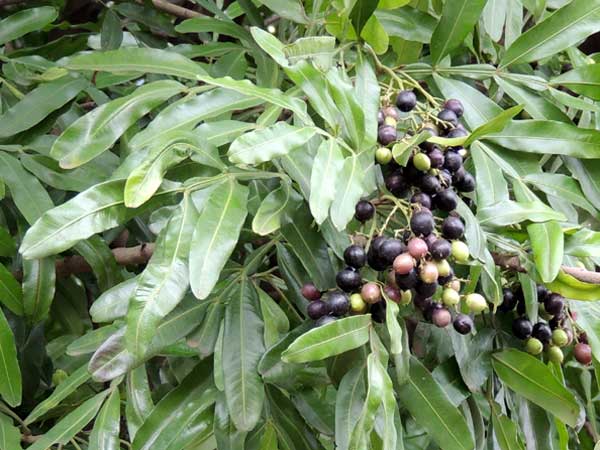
<point x="446" y="42"/>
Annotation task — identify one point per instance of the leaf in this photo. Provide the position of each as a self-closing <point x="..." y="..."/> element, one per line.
<point x="588" y="315"/>
<point x="275" y="320"/>
<point x="105" y="434"/>
<point x="529" y="377"/>
<point x="494" y="15"/>
<point x="131" y="59"/>
<point x="495" y="125"/>
<point x="164" y="281"/>
<point x="113" y="303"/>
<point x="547" y="243"/>
<point x="458" y="19"/>
<point x="329" y="340"/>
<point x="26" y="21"/>
<point x="408" y="23"/>
<point x="429" y="405"/>
<point x="570" y="287"/>
<point x="367" y="92"/>
<point x="216" y="235"/>
<point x="583" y="172"/>
<point x="348" y="192"/>
<point x="343" y="95"/>
<point x="39" y="277"/>
<point x="10" y="436"/>
<point x="491" y="185"/>
<point x="111" y="35"/>
<point x="508" y="212"/>
<point x="288" y="9"/>
<point x="10" y="373"/>
<point x="394" y="329"/>
<point x="348" y="405"/>
<point x="71" y="424"/>
<point x="265" y="144"/>
<point x="243" y="333"/>
<point x="39" y="103"/>
<point x="374" y="34"/>
<point x="475" y="237"/>
<point x="139" y="400"/>
<point x="99" y="129"/>
<point x="361" y="12"/>
<point x="91" y="341"/>
<point x="584" y="80"/>
<point x="98" y="255"/>
<point x="328" y="163"/>
<point x="402" y="150"/>
<point x="97" y="209"/>
<point x="268" y="217"/>
<point x="505" y="430"/>
<point x="566" y="27"/>
<point x="560" y="186"/>
<point x="583" y="243"/>
<point x="223" y="131"/>
<point x="472" y="355"/>
<point x="8" y="245"/>
<point x="316" y="49"/>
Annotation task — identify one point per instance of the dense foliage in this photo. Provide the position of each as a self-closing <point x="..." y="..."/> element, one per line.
<point x="188" y="186"/>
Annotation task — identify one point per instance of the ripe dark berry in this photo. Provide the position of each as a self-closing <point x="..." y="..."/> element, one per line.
<point x="364" y="210"/>
<point x="455" y="106"/>
<point x="542" y="293"/>
<point x="396" y="184"/>
<point x="446" y="200"/>
<point x="422" y="199"/>
<point x="406" y="101"/>
<point x="426" y="289"/>
<point x="441" y="249"/>
<point x="456" y="133"/>
<point x="554" y="304"/>
<point x="355" y="256"/>
<point x="466" y="184"/>
<point x="421" y="223"/>
<point x="453" y="161"/>
<point x="556" y="321"/>
<point x="380" y="117"/>
<point x="390" y="249"/>
<point x="522" y="328"/>
<point x="509" y="301"/>
<point x="317" y="309"/>
<point x="348" y="279"/>
<point x="373" y="257"/>
<point x="542" y="332"/>
<point x="387" y="134"/>
<point x="339" y="304"/>
<point x="453" y="228"/>
<point x="392" y="293"/>
<point x="448" y="116"/>
<point x="445" y="178"/>
<point x="436" y="158"/>
<point x="430" y="184"/>
<point x="458" y="175"/>
<point x="441" y="317"/>
<point x="324" y="321"/>
<point x="583" y="353"/>
<point x="463" y="323"/>
<point x="447" y="279"/>
<point x="378" y="312"/>
<point x="310" y="292"/>
<point x="407" y="281"/>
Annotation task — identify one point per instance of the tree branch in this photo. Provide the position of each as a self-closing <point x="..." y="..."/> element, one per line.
<point x="174" y="10"/>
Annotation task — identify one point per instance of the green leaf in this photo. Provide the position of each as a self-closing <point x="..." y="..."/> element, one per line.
<point x="26" y="21"/>
<point x="547" y="242"/>
<point x="329" y="340"/>
<point x="472" y="355"/>
<point x="584" y="80"/>
<point x="131" y="59"/>
<point x="495" y="125"/>
<point x="429" y="405"/>
<point x="269" y="214"/>
<point x="11" y="294"/>
<point x="566" y="27"/>
<point x="105" y="434"/>
<point x="360" y="14"/>
<point x="348" y="405"/>
<point x="97" y="209"/>
<point x="265" y="144"/>
<point x="505" y="430"/>
<point x="99" y="129"/>
<point x="317" y="49"/>
<point x="288" y="9"/>
<point x="508" y="212"/>
<point x="39" y="277"/>
<point x="177" y="410"/>
<point x="216" y="235"/>
<point x="10" y="436"/>
<point x="374" y="34"/>
<point x="494" y="15"/>
<point x="71" y="424"/>
<point x="408" y="23"/>
<point x="583" y="243"/>
<point x="348" y="192"/>
<point x="98" y="255"/>
<point x="112" y="304"/>
<point x="111" y="35"/>
<point x="491" y="185"/>
<point x="243" y="333"/>
<point x="91" y="341"/>
<point x="276" y="322"/>
<point x="561" y="186"/>
<point x="583" y="172"/>
<point x="139" y="403"/>
<point x="8" y="245"/>
<point x="353" y="118"/>
<point x="39" y="103"/>
<point x="10" y="373"/>
<point x="475" y="237"/>
<point x="223" y="131"/>
<point x="458" y="19"/>
<point x="402" y="150"/>
<point x="531" y="378"/>
<point x="588" y="318"/>
<point x="570" y="287"/>
<point x="366" y="87"/>
<point x="394" y="329"/>
<point x="327" y="165"/>
<point x="164" y="281"/>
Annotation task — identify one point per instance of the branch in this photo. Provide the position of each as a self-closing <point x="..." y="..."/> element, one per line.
<point x="174" y="10"/>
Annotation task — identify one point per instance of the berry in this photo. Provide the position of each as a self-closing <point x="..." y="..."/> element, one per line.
<point x="373" y="258"/>
<point x="370" y="293"/>
<point x="450" y="297"/>
<point x="455" y="106"/>
<point x="463" y="324"/>
<point x="443" y="267"/>
<point x="554" y="304"/>
<point x="324" y="321"/>
<point x="429" y="240"/>
<point x="406" y="101"/>
<point x="542" y="332"/>
<point x="556" y="321"/>
<point x="445" y="279"/>
<point x="446" y="200"/>
<point x="378" y="312"/>
<point x="455" y="284"/>
<point x="391" y="112"/>
<point x="560" y="337"/>
<point x="339" y="304"/>
<point x="423" y="303"/>
<point x="453" y="161"/>
<point x="441" y="318"/>
<point x="445" y="178"/>
<point x="542" y="293"/>
<point x="583" y="353"/>
<point x="453" y="228"/>
<point x="407" y="281"/>
<point x="460" y="251"/>
<point x="390" y="249"/>
<point x="436" y="158"/>
<point x="422" y="162"/>
<point x="430" y="184"/>
<point x="555" y="354"/>
<point x="387" y="134"/>
<point x="383" y="155"/>
<point x="355" y="256"/>
<point x="310" y="292"/>
<point x="449" y="116"/>
<point x="422" y="199"/>
<point x="392" y="293"/>
<point x="357" y="304"/>
<point x="405" y="297"/>
<point x="364" y="210"/>
<point x="348" y="279"/>
<point x="380" y="117"/>
<point x="441" y="249"/>
<point x="317" y="309"/>
<point x="417" y="248"/>
<point x="466" y="184"/>
<point x="522" y="328"/>
<point x="390" y="121"/>
<point x="533" y="346"/>
<point x="426" y="289"/>
<point x="476" y="303"/>
<point x="509" y="300"/>
<point x="428" y="308"/>
<point x="396" y="184"/>
<point x="429" y="273"/>
<point x="457" y="133"/>
<point x="421" y="223"/>
<point x="403" y="263"/>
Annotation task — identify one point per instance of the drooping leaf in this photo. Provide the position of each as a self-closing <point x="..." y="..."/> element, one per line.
<point x="547" y="243"/>
<point x="26" y="21"/>
<point x="348" y="405"/>
<point x="348" y="192"/>
<point x="353" y="117"/>
<point x="10" y="436"/>
<point x="268" y="217"/>
<point x="584" y="80"/>
<point x="508" y="212"/>
<point x="39" y="276"/>
<point x="328" y="163"/>
<point x="105" y="434"/>
<point x="10" y="373"/>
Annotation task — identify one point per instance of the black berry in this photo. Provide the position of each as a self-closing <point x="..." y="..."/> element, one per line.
<point x="463" y="323"/>
<point x="407" y="281"/>
<point x="378" y="312"/>
<point x="522" y="328"/>
<point x="396" y="184"/>
<point x="348" y="279"/>
<point x="448" y="116"/>
<point x="509" y="301"/>
<point x="364" y="210"/>
<point x="455" y="106"/>
<point x="440" y="249"/>
<point x="310" y="292"/>
<point x="317" y="309"/>
<point x="453" y="161"/>
<point x="446" y="200"/>
<point x="421" y="223"/>
<point x="426" y="289"/>
<point x="422" y="199"/>
<point x="467" y="183"/>
<point x="456" y="132"/>
<point x="390" y="249"/>
<point x="324" y="321"/>
<point x="554" y="304"/>
<point x="542" y="293"/>
<point x="436" y="158"/>
<point x="355" y="256"/>
<point x="387" y="134"/>
<point x="406" y="101"/>
<point x="542" y="332"/>
<point x="339" y="304"/>
<point x="430" y="184"/>
<point x="453" y="228"/>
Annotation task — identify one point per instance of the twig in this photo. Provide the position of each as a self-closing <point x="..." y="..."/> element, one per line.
<point x="174" y="10"/>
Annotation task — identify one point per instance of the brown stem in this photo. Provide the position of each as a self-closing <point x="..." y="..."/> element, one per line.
<point x="174" y="10"/>
<point x="510" y="262"/>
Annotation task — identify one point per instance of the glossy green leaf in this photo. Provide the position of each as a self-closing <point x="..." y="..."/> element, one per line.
<point x="164" y="281"/>
<point x="98" y="255"/>
<point x="10" y="373"/>
<point x="529" y="377"/>
<point x="113" y="303"/>
<point x="348" y="192"/>
<point x="408" y="23"/>
<point x="223" y="131"/>
<point x="289" y="9"/>
<point x="328" y="163"/>
<point x="583" y="243"/>
<point x="495" y="125"/>
<point x="91" y="341"/>
<point x="508" y="212"/>
<point x="583" y="172"/>
<point x="39" y="276"/>
<point x="505" y="430"/>
<point x="11" y="293"/>
<point x="329" y="340"/>
<point x="491" y="185"/>
<point x="560" y="186"/>
<point x="276" y="322"/>
<point x="39" y="103"/>
<point x="269" y="214"/>
<point x="570" y="287"/>
<point x="367" y="91"/>
<point x="567" y="26"/>
<point x="8" y="246"/>
<point x="111" y="35"/>
<point x="26" y="21"/>
<point x="494" y="15"/>
<point x="429" y="405"/>
<point x="99" y="129"/>
<point x="105" y="434"/>
<point x="265" y="144"/>
<point x="353" y="117"/>
<point x="547" y="243"/>
<point x="394" y="328"/>
<point x="139" y="402"/>
<point x="216" y="234"/>
<point x="472" y="355"/>
<point x="10" y="436"/>
<point x="348" y="405"/>
<point x="316" y="49"/>
<point x="243" y="334"/>
<point x="584" y="80"/>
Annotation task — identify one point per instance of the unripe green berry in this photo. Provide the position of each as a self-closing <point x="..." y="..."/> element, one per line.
<point x="383" y="155"/>
<point x="390" y="121"/>
<point x="534" y="346"/>
<point x="560" y="337"/>
<point x="450" y="297"/>
<point x="357" y="304"/>
<point x="422" y="162"/>
<point x="443" y="267"/>
<point x="555" y="354"/>
<point x="406" y="297"/>
<point x="460" y="251"/>
<point x="476" y="303"/>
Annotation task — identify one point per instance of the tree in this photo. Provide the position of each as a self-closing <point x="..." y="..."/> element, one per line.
<point x="299" y="225"/>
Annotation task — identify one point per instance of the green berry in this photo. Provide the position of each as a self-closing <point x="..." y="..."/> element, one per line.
<point x="450" y="297"/>
<point x="357" y="304"/>
<point x="390" y="121"/>
<point x="560" y="337"/>
<point x="555" y="354"/>
<point x="406" y="297"/>
<point x="383" y="155"/>
<point x="534" y="346"/>
<point x="476" y="303"/>
<point x="59" y="376"/>
<point x="460" y="251"/>
<point x="443" y="267"/>
<point x="422" y="162"/>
